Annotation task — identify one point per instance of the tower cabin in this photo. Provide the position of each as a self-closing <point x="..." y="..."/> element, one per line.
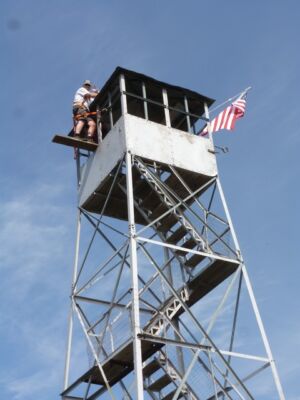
<point x="151" y="119"/>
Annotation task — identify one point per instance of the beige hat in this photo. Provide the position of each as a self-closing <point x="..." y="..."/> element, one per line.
<point x="87" y="82"/>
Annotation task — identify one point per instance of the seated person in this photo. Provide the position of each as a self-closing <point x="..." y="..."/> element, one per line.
<point x="82" y="100"/>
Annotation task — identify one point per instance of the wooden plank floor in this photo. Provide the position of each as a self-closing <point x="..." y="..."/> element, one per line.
<point x="74" y="142"/>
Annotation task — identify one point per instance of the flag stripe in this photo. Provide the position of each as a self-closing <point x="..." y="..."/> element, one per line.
<point x="227" y="118"/>
<point x="228" y="111"/>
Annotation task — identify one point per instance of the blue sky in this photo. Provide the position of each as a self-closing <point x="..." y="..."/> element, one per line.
<point x="217" y="48"/>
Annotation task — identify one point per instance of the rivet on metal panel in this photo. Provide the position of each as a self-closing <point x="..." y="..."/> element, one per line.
<point x="132" y="230"/>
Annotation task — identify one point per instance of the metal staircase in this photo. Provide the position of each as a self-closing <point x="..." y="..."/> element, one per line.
<point x="153" y="198"/>
<point x="166" y="200"/>
<point x="161" y="377"/>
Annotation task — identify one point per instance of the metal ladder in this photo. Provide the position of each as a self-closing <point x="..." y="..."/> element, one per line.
<point x="166" y="198"/>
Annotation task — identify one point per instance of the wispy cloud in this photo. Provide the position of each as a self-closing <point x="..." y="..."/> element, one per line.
<point x="32" y="385"/>
<point x="33" y="240"/>
<point x="32" y="229"/>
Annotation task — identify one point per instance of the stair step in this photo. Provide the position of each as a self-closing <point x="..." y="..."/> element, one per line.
<point x="177" y="187"/>
<point x="150" y="368"/>
<point x="122" y="180"/>
<point x="159" y="210"/>
<point x="173" y="183"/>
<point x="189" y="244"/>
<point x="135" y="178"/>
<point x="167" y="223"/>
<point x="170" y="395"/>
<point x="194" y="260"/>
<point x="148" y="196"/>
<point x="177" y="235"/>
<point x="138" y="181"/>
<point x="158" y="385"/>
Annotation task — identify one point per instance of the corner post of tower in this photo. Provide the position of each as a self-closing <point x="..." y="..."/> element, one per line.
<point x="252" y="296"/>
<point x="135" y="315"/>
<point x="134" y="281"/>
<point x="70" y="322"/>
<point x="245" y="273"/>
<point x="263" y="334"/>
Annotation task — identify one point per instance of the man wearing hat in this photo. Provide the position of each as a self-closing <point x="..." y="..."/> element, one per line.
<point x="82" y="99"/>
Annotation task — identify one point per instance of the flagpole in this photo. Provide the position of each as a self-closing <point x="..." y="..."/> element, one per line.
<point x="209" y="126"/>
<point x="240" y="94"/>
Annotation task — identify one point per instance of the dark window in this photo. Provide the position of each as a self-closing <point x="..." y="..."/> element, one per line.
<point x="197" y="109"/>
<point x="105" y="120"/>
<point x="135" y="105"/>
<point x="156" y="112"/>
<point x="116" y="104"/>
<point x="177" y="111"/>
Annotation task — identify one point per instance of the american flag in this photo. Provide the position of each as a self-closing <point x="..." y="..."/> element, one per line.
<point x="226" y="119"/>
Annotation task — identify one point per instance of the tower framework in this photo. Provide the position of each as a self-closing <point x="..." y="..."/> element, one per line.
<point x="161" y="298"/>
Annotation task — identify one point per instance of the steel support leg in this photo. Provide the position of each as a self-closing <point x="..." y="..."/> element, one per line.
<point x="134" y="279"/>
<point x="252" y="299"/>
<point x="70" y="327"/>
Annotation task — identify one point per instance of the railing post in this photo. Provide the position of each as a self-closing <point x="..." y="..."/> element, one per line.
<point x="167" y="111"/>
<point x="123" y="95"/>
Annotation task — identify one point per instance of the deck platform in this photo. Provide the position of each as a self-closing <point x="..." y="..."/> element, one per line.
<point x="117" y="366"/>
<point x="74" y="142"/>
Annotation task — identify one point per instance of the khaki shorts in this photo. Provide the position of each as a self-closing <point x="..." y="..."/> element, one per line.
<point x="79" y="112"/>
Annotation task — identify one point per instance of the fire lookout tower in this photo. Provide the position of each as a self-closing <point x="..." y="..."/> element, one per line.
<point x="159" y="283"/>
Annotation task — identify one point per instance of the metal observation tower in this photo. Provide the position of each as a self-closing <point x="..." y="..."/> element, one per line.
<point x="162" y="306"/>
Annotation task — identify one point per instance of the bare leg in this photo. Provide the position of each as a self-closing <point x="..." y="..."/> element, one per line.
<point x="78" y="127"/>
<point x="91" y="128"/>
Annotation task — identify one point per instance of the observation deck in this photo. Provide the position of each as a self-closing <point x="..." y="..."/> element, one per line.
<point x="159" y="126"/>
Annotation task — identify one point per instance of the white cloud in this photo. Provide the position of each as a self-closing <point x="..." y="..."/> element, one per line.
<point x="34" y="236"/>
<point x="32" y="385"/>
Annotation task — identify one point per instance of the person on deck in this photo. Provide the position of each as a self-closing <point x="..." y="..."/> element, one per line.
<point x="82" y="100"/>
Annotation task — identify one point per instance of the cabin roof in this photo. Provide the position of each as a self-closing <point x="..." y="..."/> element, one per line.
<point x="132" y="75"/>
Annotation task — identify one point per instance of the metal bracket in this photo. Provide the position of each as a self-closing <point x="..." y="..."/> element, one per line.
<point x="224" y="150"/>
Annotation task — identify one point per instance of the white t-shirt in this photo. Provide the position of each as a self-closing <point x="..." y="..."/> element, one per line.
<point x="79" y="97"/>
